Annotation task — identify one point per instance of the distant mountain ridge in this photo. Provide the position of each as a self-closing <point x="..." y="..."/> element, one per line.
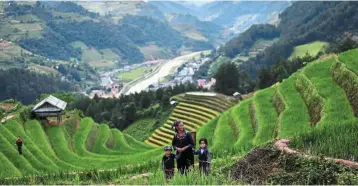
<point x="235" y="16"/>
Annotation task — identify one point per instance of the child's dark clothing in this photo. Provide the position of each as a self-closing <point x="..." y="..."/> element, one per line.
<point x="168" y="166"/>
<point x="204" y="160"/>
<point x="19" y="145"/>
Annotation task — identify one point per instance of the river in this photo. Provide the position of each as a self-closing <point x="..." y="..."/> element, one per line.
<point x="169" y="67"/>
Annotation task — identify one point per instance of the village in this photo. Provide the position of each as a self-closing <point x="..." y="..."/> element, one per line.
<point x="111" y="86"/>
<point x="185" y="74"/>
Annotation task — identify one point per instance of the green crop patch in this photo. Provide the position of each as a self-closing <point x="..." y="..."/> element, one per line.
<point x="244" y="123"/>
<point x="312" y="99"/>
<point x="267" y="118"/>
<point x="310" y="48"/>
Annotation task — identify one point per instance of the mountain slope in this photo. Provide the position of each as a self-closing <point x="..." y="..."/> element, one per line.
<point x="314" y="106"/>
<point x="301" y="23"/>
<point x="238" y="16"/>
<point x="58" y="25"/>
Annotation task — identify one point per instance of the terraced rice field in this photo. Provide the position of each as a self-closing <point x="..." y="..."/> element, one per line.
<point x="317" y="107"/>
<point x="195" y="110"/>
<point x="78" y="145"/>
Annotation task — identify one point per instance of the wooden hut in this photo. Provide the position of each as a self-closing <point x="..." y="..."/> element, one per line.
<point x="50" y="107"/>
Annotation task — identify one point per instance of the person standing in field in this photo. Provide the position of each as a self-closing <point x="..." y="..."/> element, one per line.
<point x="204" y="156"/>
<point x="19" y="145"/>
<point x="183" y="144"/>
<point x="168" y="163"/>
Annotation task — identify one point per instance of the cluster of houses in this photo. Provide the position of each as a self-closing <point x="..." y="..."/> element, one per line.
<point x="206" y="84"/>
<point x="4" y="43"/>
<point x="111" y="90"/>
<point x="186" y="75"/>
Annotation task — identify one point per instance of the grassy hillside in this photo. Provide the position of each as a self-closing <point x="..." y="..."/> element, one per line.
<point x="310" y="48"/>
<point x="63" y="148"/>
<point x="316" y="107"/>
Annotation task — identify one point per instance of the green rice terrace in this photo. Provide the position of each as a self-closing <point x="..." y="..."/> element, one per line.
<point x="316" y="108"/>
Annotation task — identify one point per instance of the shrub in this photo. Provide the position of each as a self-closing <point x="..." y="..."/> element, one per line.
<point x="348" y="80"/>
<point x="311" y="97"/>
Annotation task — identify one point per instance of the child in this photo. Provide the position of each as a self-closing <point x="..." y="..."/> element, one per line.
<point x="204" y="156"/>
<point x="168" y="162"/>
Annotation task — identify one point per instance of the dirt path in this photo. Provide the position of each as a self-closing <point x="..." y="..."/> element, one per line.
<point x="282" y="145"/>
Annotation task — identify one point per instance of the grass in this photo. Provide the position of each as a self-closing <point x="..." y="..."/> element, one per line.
<point x="136" y="144"/>
<point x="10" y="151"/>
<point x="295" y="118"/>
<point x="7" y="53"/>
<point x="224" y="137"/>
<point x="99" y="146"/>
<point x="330" y="91"/>
<point x="310" y="48"/>
<point x="189" y="31"/>
<point x="31" y="27"/>
<point x="153" y="51"/>
<point x="313" y="100"/>
<point x="349" y="58"/>
<point x="266" y="116"/>
<point x="103" y="58"/>
<point x="141" y="129"/>
<point x="335" y="134"/>
<point x="35" y="132"/>
<point x="16" y="128"/>
<point x="133" y="74"/>
<point x="121" y="144"/>
<point x="207" y="131"/>
<point x="7" y="168"/>
<point x="241" y="115"/>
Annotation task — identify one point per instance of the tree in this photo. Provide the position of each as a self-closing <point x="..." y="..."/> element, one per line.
<point x="129" y="113"/>
<point x="76" y="75"/>
<point x="62" y="69"/>
<point x="165" y="100"/>
<point x="159" y="94"/>
<point x="227" y="78"/>
<point x="145" y="100"/>
<point x="265" y="78"/>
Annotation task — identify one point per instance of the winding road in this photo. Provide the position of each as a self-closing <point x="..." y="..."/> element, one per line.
<point x="169" y="67"/>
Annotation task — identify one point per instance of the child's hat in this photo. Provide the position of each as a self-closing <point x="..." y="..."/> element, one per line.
<point x="167" y="148"/>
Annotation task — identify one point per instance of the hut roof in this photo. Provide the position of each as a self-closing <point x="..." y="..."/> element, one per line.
<point x="53" y="101"/>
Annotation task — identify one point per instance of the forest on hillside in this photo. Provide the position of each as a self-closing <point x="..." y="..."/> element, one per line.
<point x="98" y="32"/>
<point x="26" y="86"/>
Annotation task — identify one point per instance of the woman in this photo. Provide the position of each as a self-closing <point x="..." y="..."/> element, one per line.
<point x="183" y="144"/>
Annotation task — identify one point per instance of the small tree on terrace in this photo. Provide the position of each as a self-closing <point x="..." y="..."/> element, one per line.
<point x="227" y="78"/>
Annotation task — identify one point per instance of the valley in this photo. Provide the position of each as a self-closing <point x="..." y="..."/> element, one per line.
<point x="100" y="93"/>
<point x="167" y="68"/>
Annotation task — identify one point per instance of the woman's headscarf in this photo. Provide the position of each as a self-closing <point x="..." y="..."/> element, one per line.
<point x="175" y="125"/>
